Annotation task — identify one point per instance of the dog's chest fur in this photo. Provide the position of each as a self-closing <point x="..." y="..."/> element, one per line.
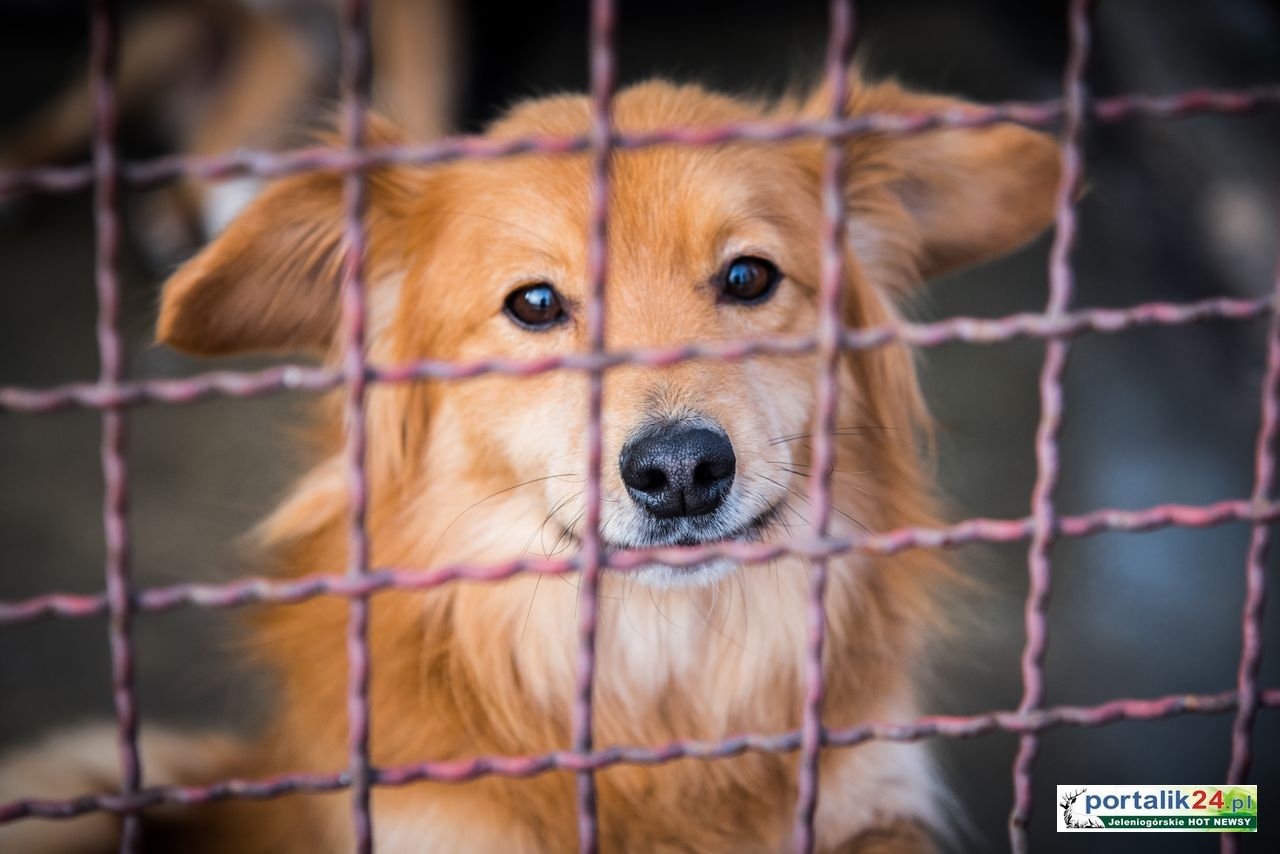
<point x="471" y="669"/>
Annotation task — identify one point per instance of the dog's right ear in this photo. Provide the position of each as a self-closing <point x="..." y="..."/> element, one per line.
<point x="271" y="280"/>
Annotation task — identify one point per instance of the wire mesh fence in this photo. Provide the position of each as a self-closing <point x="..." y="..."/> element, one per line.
<point x="113" y="394"/>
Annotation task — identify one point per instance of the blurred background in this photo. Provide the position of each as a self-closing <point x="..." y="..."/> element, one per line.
<point x="1177" y="210"/>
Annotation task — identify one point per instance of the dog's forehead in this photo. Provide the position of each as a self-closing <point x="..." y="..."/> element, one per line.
<point x="681" y="200"/>
<point x="669" y="187"/>
<point x="651" y="106"/>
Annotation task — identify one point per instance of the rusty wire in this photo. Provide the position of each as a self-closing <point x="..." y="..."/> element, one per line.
<point x="1048" y="468"/>
<point x="111" y="357"/>
<point x="830" y="289"/>
<point x="591" y="561"/>
<point x="356" y="77"/>
<point x="113" y="394"/>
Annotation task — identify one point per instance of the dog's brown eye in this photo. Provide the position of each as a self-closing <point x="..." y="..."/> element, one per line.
<point x="749" y="280"/>
<point x="535" y="307"/>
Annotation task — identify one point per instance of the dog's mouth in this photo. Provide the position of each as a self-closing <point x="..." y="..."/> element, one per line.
<point x="689" y="532"/>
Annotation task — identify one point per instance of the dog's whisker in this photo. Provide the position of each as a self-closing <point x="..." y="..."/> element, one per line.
<point x="564" y="534"/>
<point x="603" y="527"/>
<point x="529" y="612"/>
<point x="839" y="430"/>
<point x="455" y="519"/>
<point x="806" y="501"/>
<point x="859" y="432"/>
<point x="565" y="530"/>
<point x="660" y="612"/>
<point x="711" y="608"/>
<point x="628" y="587"/>
<point x="858" y="487"/>
<point x="555" y="509"/>
<point x="746" y="611"/>
<point x="810" y="465"/>
<point x="723" y="629"/>
<point x="803" y="519"/>
<point x="786" y="506"/>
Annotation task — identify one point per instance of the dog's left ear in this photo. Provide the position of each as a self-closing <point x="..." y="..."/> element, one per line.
<point x="927" y="203"/>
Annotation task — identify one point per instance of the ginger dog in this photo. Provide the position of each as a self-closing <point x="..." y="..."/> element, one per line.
<point x="476" y="259"/>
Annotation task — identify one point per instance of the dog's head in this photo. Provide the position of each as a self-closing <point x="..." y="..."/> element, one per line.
<point x="477" y="259"/>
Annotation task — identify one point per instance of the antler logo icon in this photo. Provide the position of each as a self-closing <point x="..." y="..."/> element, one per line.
<point x="1068" y="812"/>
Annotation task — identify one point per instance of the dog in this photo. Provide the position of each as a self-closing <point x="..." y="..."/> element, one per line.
<point x="474" y="259"/>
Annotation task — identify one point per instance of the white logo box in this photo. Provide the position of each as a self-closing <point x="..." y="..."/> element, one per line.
<point x="1092" y="808"/>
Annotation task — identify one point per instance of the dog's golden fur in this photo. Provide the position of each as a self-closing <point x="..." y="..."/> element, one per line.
<point x="487" y="469"/>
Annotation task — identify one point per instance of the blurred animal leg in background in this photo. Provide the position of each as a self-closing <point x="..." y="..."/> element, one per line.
<point x="416" y="49"/>
<point x="275" y="73"/>
<point x="217" y="76"/>
<point x="262" y="89"/>
<point x="154" y="45"/>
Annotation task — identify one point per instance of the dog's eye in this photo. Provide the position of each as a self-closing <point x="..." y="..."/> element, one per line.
<point x="535" y="306"/>
<point x="749" y="280"/>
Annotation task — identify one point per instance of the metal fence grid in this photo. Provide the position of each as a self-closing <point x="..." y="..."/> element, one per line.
<point x="113" y="394"/>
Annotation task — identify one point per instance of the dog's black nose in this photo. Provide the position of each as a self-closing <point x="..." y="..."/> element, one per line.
<point x="678" y="471"/>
